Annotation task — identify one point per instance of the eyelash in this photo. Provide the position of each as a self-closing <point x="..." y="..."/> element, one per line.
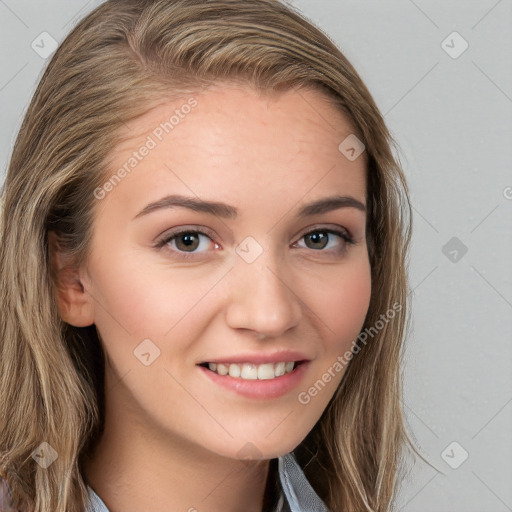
<point x="191" y="256"/>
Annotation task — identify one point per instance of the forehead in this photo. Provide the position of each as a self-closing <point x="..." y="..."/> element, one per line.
<point x="237" y="142"/>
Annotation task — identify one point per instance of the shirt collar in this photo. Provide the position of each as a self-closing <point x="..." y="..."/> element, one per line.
<point x="299" y="496"/>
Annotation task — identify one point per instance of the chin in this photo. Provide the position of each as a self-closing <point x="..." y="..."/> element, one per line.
<point x="261" y="447"/>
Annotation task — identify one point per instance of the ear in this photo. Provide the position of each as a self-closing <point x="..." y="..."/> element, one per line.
<point x="76" y="306"/>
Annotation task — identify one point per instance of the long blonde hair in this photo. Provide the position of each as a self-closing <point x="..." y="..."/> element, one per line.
<point x="120" y="59"/>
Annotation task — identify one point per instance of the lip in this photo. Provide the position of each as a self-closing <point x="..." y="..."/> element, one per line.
<point x="274" y="357"/>
<point x="259" y="389"/>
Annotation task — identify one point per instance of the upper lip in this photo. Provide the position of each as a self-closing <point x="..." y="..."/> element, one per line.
<point x="273" y="357"/>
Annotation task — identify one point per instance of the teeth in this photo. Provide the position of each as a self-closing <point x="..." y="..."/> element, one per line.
<point x="234" y="370"/>
<point x="249" y="371"/>
<point x="280" y="369"/>
<point x="222" y="369"/>
<point x="266" y="371"/>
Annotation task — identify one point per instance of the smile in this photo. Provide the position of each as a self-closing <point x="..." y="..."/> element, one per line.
<point x="251" y="371"/>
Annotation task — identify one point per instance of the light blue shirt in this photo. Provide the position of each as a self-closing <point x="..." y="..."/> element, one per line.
<point x="299" y="496"/>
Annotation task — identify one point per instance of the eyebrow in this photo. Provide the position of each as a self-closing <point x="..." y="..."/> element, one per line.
<point x="227" y="211"/>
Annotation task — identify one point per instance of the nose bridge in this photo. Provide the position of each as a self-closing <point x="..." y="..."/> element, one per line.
<point x="261" y="297"/>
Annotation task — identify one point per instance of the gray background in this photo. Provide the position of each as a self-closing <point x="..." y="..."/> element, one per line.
<point x="452" y="118"/>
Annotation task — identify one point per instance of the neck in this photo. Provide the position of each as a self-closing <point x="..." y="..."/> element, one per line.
<point x="135" y="468"/>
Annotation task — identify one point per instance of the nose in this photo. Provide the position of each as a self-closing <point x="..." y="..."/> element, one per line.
<point x="262" y="298"/>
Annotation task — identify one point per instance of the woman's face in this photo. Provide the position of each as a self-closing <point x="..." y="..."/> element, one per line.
<point x="234" y="170"/>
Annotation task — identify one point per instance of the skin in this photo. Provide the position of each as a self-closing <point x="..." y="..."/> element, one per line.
<point x="172" y="438"/>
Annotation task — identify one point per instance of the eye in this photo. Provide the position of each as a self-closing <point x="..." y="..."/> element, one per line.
<point x="321" y="238"/>
<point x="185" y="242"/>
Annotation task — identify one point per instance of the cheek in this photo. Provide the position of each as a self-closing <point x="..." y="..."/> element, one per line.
<point x="135" y="301"/>
<point x="341" y="306"/>
<point x="347" y="309"/>
<point x="340" y="302"/>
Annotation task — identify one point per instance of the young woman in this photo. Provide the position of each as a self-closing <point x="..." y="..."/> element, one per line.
<point x="203" y="271"/>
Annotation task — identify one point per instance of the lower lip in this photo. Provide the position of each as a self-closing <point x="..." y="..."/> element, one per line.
<point x="259" y="389"/>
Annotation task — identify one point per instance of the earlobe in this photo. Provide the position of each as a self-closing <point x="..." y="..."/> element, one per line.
<point x="74" y="302"/>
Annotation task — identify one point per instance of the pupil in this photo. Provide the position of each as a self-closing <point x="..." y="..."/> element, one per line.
<point x="187" y="239"/>
<point x="318" y="238"/>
